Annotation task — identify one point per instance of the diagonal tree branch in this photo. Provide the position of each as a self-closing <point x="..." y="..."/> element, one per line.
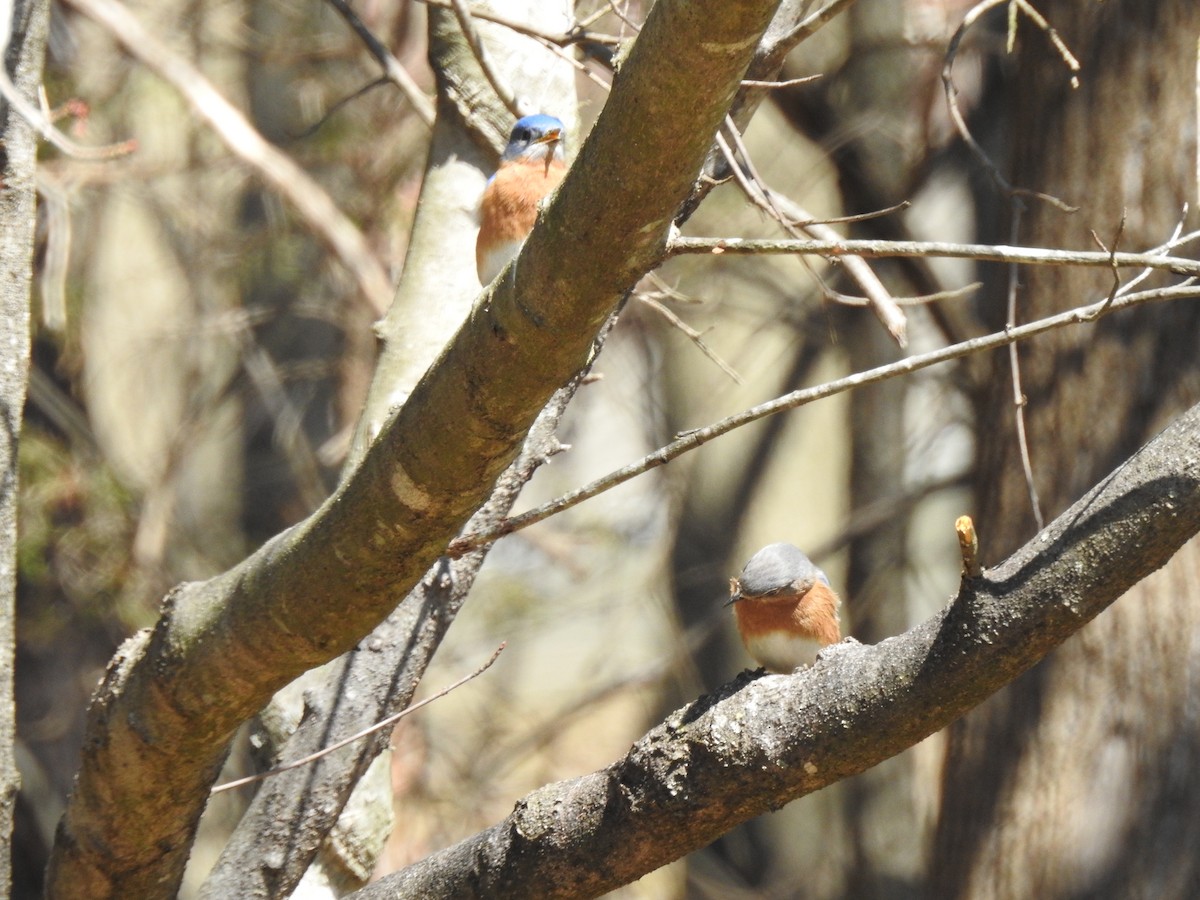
<point x="758" y="743"/>
<point x="276" y="169"/>
<point x="172" y="698"/>
<point x="284" y="826"/>
<point x="698" y="437"/>
<point x="296" y="816"/>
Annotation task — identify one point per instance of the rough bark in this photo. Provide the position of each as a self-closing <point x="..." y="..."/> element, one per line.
<point x="760" y="742"/>
<point x="172" y="697"/>
<point x="26" y="50"/>
<point x="1072" y="783"/>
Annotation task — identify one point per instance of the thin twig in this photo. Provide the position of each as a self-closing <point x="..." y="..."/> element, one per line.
<point x="1163" y="249"/>
<point x="698" y="437"/>
<point x="1001" y="253"/>
<point x="1068" y="57"/>
<point x="877" y="296"/>
<point x="41" y="120"/>
<point x="577" y="35"/>
<point x="475" y="42"/>
<point x="316" y="126"/>
<point x="960" y="124"/>
<point x="968" y="546"/>
<point x="277" y="169"/>
<point x="812" y="24"/>
<point x="772" y="85"/>
<point x="585" y="70"/>
<point x="56" y="208"/>
<point x="1116" y="272"/>
<point x="789" y="214"/>
<point x="392" y="69"/>
<point x="921" y="300"/>
<point x="858" y="217"/>
<point x="359" y="735"/>
<point x="1014" y="365"/>
<point x="692" y="335"/>
<point x="616" y="11"/>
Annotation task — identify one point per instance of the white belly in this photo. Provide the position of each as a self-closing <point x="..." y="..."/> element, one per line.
<point x="491" y="263"/>
<point x="781" y="652"/>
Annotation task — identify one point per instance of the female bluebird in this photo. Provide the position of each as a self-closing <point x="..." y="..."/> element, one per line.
<point x="530" y="168"/>
<point x="785" y="609"/>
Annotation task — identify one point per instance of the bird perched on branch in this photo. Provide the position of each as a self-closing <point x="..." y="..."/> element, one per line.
<point x="531" y="167"/>
<point x="785" y="609"/>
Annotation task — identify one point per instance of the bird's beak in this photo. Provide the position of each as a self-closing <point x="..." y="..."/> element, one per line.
<point x="551" y="138"/>
<point x="735" y="592"/>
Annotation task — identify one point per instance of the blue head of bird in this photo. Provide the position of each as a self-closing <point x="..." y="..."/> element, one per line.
<point x="535" y="138"/>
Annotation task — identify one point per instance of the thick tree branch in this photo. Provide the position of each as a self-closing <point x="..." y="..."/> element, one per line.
<point x="300" y="814"/>
<point x="172" y="698"/>
<point x="760" y="742"/>
<point x="284" y="826"/>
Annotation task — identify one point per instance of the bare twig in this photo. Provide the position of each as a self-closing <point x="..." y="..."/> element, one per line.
<point x="56" y="208"/>
<point x="812" y="24"/>
<point x="393" y="70"/>
<point x="1116" y="272"/>
<point x="960" y="124"/>
<point x="1177" y="265"/>
<point x="275" y="168"/>
<point x="921" y="300"/>
<point x="616" y="11"/>
<point x="1176" y="239"/>
<point x="789" y="214"/>
<point x="41" y="119"/>
<point x="587" y="71"/>
<point x="692" y="335"/>
<point x="1014" y="365"/>
<point x="968" y="546"/>
<point x="463" y="14"/>
<point x="699" y="437"/>
<point x="877" y="296"/>
<point x="858" y="217"/>
<point x="359" y="735"/>
<point x="577" y="35"/>
<point x="773" y="85"/>
<point x="330" y="111"/>
<point x="1068" y="57"/>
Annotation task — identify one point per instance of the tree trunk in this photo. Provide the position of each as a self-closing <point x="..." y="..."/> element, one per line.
<point x="26" y="49"/>
<point x="1076" y="781"/>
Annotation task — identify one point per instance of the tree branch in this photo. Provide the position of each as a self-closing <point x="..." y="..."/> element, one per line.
<point x="758" y="743"/>
<point x="1033" y="256"/>
<point x="294" y="817"/>
<point x="285" y="825"/>
<point x="698" y="437"/>
<point x="275" y="168"/>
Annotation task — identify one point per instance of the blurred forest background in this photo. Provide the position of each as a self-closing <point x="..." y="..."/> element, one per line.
<point x="200" y="363"/>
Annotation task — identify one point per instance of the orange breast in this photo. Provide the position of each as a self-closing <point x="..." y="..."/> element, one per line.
<point x="813" y="616"/>
<point x="508" y="208"/>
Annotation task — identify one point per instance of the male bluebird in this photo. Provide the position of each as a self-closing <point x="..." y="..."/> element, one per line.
<point x="785" y="609"/>
<point x="530" y="168"/>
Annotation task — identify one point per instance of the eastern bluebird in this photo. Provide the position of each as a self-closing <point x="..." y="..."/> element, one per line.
<point x="530" y="168"/>
<point x="785" y="609"/>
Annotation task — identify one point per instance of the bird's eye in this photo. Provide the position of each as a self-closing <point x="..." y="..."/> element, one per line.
<point x="521" y="134"/>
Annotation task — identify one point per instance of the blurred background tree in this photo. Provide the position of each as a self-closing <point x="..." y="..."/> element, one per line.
<point x="200" y="365"/>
